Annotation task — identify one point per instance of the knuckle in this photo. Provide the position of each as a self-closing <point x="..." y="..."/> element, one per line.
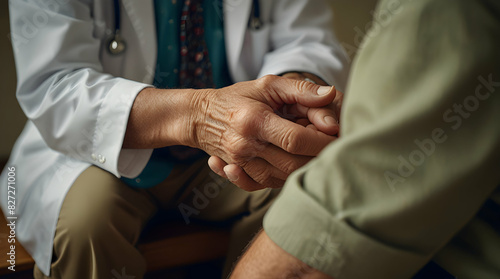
<point x="264" y="179"/>
<point x="304" y="86"/>
<point x="261" y="175"/>
<point x="266" y="81"/>
<point x="291" y="142"/>
<point x="237" y="149"/>
<point x="246" y="119"/>
<point x="290" y="166"/>
<point x="259" y="147"/>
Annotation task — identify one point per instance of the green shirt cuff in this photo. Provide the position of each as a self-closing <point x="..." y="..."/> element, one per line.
<point x="306" y="230"/>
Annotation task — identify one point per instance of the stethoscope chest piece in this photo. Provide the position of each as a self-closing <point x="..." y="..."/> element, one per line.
<point x="117" y="44"/>
<point x="255" y="23"/>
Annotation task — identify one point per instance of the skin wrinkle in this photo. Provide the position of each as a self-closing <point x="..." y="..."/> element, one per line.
<point x="285" y="163"/>
<point x="265" y="123"/>
<point x="302" y="87"/>
<point x="289" y="166"/>
<point x="243" y="146"/>
<point x="191" y="132"/>
<point x="265" y="176"/>
<point x="273" y="100"/>
<point x="215" y="126"/>
<point x="215" y="131"/>
<point x="289" y="143"/>
<point x="288" y="139"/>
<point x="200" y="104"/>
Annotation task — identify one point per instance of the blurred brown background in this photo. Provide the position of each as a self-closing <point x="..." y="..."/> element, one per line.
<point x="348" y="15"/>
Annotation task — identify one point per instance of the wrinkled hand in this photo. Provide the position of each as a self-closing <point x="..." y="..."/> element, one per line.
<point x="324" y="119"/>
<point x="238" y="126"/>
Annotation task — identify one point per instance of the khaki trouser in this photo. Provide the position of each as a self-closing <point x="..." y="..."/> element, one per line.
<point x="102" y="218"/>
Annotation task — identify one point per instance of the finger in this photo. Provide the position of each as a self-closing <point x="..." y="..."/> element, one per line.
<point x="292" y="137"/>
<point x="311" y="126"/>
<point x="217" y="165"/>
<point x="241" y="179"/>
<point x="325" y="119"/>
<point x="298" y="110"/>
<point x="282" y="160"/>
<point x="259" y="171"/>
<point x="337" y="102"/>
<point x="303" y="122"/>
<point x="262" y="172"/>
<point x="292" y="112"/>
<point x="277" y="91"/>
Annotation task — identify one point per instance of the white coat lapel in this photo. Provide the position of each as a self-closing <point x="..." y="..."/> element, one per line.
<point x="236" y="16"/>
<point x="142" y="17"/>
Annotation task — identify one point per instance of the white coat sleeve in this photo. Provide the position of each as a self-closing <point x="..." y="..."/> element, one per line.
<point x="302" y="40"/>
<point x="79" y="110"/>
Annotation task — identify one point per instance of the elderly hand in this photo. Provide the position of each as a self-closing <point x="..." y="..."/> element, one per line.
<point x="238" y="126"/>
<point x="324" y="119"/>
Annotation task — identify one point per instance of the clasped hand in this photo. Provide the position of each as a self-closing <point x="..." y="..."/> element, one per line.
<point x="250" y="143"/>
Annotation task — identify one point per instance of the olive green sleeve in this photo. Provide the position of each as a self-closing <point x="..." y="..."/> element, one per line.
<point x="419" y="151"/>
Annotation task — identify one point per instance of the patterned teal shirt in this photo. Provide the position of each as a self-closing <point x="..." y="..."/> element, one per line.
<point x="168" y="13"/>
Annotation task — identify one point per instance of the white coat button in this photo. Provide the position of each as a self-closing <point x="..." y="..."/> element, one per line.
<point x="102" y="159"/>
<point x="93" y="156"/>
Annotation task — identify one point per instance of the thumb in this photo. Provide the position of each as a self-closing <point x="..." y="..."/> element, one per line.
<point x="290" y="91"/>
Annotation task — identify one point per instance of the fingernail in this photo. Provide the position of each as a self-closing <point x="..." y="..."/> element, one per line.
<point x="323" y="90"/>
<point x="231" y="177"/>
<point x="330" y="121"/>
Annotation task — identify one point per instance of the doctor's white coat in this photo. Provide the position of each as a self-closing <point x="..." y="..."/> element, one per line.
<point x="77" y="97"/>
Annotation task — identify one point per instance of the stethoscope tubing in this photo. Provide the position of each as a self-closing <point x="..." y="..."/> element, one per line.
<point x="117" y="15"/>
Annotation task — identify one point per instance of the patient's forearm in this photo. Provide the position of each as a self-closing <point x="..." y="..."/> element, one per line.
<point x="264" y="259"/>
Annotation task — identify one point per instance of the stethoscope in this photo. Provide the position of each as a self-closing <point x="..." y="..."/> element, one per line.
<point x="117" y="44"/>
